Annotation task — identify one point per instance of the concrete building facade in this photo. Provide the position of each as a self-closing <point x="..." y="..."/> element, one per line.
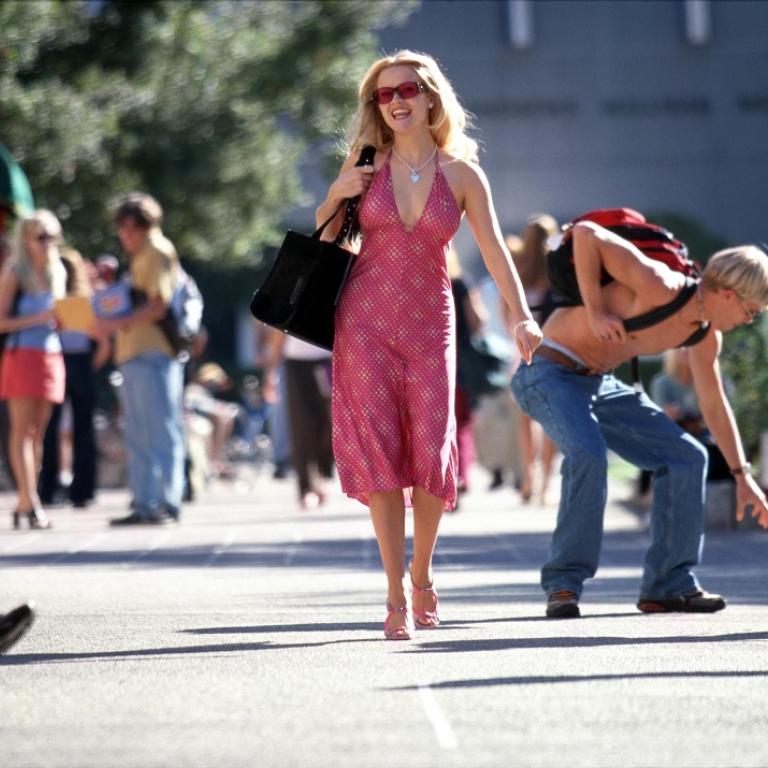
<point x="582" y="104"/>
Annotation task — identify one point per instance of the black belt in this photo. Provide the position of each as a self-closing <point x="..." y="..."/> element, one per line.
<point x="556" y="356"/>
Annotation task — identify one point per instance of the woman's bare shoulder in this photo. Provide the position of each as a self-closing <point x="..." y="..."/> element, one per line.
<point x="464" y="177"/>
<point x="463" y="172"/>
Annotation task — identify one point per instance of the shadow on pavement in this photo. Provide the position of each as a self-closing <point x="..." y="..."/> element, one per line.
<point x="44" y="658"/>
<point x="733" y="562"/>
<point x="509" y="644"/>
<point x="321" y="627"/>
<point x="550" y="679"/>
<point x="481" y="552"/>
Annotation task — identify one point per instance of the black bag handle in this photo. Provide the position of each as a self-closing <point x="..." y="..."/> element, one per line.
<point x="367" y="154"/>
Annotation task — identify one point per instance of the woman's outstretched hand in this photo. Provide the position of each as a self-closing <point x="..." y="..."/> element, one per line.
<point x="528" y="336"/>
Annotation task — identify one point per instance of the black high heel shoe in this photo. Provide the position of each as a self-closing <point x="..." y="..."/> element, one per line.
<point x="35" y="517"/>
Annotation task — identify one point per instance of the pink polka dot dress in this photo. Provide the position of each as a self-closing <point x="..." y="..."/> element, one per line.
<point x="394" y="355"/>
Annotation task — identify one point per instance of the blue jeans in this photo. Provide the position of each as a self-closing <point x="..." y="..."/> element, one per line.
<point x="585" y="416"/>
<point x="152" y="399"/>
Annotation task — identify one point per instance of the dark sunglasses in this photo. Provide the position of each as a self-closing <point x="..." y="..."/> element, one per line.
<point x="46" y="237"/>
<point x="404" y="91"/>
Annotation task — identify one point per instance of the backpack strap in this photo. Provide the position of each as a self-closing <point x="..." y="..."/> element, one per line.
<point x="660" y="314"/>
<point x="697" y="336"/>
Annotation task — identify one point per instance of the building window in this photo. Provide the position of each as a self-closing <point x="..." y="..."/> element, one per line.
<point x="520" y="23"/>
<point x="698" y="21"/>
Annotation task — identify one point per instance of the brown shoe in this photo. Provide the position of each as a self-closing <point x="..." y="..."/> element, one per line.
<point x="563" y="604"/>
<point x="697" y="601"/>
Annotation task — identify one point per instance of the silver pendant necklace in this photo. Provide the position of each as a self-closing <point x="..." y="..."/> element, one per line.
<point x="415" y="172"/>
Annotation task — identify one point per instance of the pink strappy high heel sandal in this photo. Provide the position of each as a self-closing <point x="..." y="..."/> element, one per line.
<point x="402" y="632"/>
<point x="425" y="619"/>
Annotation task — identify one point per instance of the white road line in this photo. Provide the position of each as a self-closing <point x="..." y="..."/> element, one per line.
<point x="444" y="734"/>
<point x="156" y="542"/>
<point x="75" y="549"/>
<point x="290" y="553"/>
<point x="87" y="543"/>
<point x="226" y="542"/>
<point x="512" y="548"/>
<point x="22" y="542"/>
<point x="367" y="551"/>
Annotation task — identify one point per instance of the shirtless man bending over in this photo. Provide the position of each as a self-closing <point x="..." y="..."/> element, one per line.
<point x="570" y="389"/>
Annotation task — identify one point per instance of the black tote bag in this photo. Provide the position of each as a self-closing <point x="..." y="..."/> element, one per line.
<point x="301" y="291"/>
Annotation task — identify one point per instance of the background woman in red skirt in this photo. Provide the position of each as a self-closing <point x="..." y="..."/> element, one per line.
<point x="32" y="368"/>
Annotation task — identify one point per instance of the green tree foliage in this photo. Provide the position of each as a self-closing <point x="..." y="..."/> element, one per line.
<point x="745" y="362"/>
<point x="210" y="106"/>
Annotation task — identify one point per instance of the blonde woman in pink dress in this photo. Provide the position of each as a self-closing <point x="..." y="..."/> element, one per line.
<point x="394" y="357"/>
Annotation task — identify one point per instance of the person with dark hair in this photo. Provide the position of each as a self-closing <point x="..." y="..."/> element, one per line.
<point x="531" y="262"/>
<point x="307" y="371"/>
<point x="152" y="388"/>
<point x="82" y="358"/>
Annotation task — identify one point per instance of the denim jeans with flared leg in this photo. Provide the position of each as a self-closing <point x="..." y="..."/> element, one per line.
<point x="586" y="416"/>
<point x="152" y="401"/>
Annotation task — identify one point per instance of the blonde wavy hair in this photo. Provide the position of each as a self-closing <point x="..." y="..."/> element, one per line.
<point x="54" y="276"/>
<point x="743" y="269"/>
<point x="449" y="121"/>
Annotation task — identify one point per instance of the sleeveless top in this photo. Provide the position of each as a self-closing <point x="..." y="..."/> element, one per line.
<point x="44" y="338"/>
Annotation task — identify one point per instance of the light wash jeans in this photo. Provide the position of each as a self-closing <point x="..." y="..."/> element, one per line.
<point x="152" y="401"/>
<point x="585" y="416"/>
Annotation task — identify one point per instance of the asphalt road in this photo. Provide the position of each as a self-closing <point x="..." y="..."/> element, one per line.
<point x="250" y="635"/>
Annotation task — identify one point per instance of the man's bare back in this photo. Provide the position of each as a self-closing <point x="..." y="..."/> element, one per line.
<point x="655" y="285"/>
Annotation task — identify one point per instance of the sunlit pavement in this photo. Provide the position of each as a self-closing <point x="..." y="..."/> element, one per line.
<point x="251" y="635"/>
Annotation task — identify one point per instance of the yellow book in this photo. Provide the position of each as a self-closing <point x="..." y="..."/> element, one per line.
<point x="75" y="313"/>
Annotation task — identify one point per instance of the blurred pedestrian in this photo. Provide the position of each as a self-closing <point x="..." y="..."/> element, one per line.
<point x="5" y="425"/>
<point x="107" y="269"/>
<point x="32" y="373"/>
<point x="470" y="318"/>
<point x="73" y="427"/>
<point x="151" y="391"/>
<point x="307" y="371"/>
<point x="536" y="449"/>
<point x="496" y="417"/>
<point x="212" y="394"/>
<point x="673" y="389"/>
<point x="394" y="360"/>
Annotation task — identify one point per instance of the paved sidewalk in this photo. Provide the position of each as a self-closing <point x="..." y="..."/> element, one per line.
<point x="250" y="635"/>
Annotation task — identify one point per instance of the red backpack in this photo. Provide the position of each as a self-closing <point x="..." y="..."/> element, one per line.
<point x="654" y="241"/>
